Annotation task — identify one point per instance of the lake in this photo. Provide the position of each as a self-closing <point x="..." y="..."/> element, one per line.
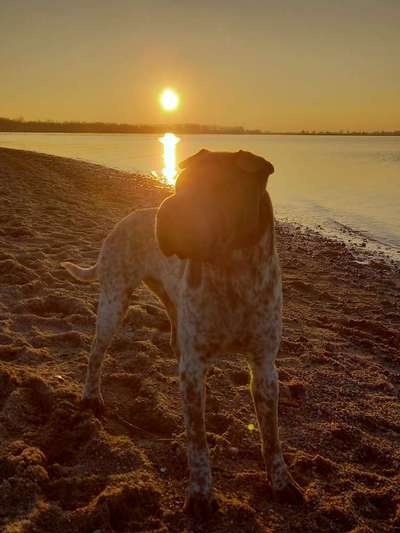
<point x="346" y="187"/>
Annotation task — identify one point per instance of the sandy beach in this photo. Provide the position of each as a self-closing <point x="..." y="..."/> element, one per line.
<point x="64" y="470"/>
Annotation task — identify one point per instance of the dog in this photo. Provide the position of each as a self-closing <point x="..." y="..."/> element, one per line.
<point x="208" y="253"/>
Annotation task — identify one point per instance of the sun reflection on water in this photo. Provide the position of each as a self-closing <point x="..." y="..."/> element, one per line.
<point x="169" y="171"/>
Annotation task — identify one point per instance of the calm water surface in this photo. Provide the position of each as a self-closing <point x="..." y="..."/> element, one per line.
<point x="343" y="186"/>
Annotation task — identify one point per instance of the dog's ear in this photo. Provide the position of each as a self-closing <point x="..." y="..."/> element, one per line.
<point x="253" y="164"/>
<point x="190" y="168"/>
<point x="266" y="219"/>
<point x="186" y="227"/>
<point x="194" y="160"/>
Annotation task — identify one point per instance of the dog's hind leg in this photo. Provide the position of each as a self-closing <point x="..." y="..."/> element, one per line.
<point x="111" y="310"/>
<point x="264" y="390"/>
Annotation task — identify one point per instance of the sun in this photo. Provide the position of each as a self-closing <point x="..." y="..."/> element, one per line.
<point x="169" y="100"/>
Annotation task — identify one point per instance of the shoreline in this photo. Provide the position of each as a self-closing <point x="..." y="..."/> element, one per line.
<point x="365" y="248"/>
<point x="359" y="246"/>
<point x="63" y="470"/>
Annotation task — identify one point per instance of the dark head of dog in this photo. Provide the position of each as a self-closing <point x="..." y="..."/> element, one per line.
<point x="220" y="204"/>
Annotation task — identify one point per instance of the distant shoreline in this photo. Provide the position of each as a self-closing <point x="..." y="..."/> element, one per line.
<point x="21" y="126"/>
<point x="299" y="134"/>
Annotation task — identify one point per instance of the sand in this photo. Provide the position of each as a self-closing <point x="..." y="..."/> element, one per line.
<point x="64" y="470"/>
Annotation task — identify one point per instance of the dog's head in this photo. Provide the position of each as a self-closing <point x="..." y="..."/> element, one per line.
<point x="220" y="204"/>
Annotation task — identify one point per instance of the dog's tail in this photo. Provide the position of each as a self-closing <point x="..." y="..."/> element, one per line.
<point x="79" y="273"/>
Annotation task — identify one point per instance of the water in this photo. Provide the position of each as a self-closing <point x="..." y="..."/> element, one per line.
<point x="348" y="187"/>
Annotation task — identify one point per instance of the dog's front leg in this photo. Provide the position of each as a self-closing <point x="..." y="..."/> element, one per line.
<point x="265" y="392"/>
<point x="199" y="498"/>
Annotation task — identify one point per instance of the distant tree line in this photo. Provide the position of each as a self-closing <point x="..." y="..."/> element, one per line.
<point x="343" y="132"/>
<point x="49" y="126"/>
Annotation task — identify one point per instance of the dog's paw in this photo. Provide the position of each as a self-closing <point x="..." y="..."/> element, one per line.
<point x="291" y="493"/>
<point x="200" y="506"/>
<point x="96" y="405"/>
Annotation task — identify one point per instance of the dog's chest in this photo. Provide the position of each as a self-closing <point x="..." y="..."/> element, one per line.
<point x="232" y="304"/>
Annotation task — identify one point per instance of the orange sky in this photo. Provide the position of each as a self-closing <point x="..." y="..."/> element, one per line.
<point x="274" y="65"/>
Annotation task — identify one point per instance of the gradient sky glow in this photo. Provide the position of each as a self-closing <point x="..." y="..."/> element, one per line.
<point x="274" y="65"/>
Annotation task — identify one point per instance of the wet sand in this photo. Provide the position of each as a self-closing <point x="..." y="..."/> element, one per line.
<point x="64" y="470"/>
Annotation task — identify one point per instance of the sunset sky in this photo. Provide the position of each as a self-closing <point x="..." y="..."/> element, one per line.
<point x="274" y="65"/>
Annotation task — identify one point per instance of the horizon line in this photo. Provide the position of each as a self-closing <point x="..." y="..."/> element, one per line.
<point x="20" y="125"/>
